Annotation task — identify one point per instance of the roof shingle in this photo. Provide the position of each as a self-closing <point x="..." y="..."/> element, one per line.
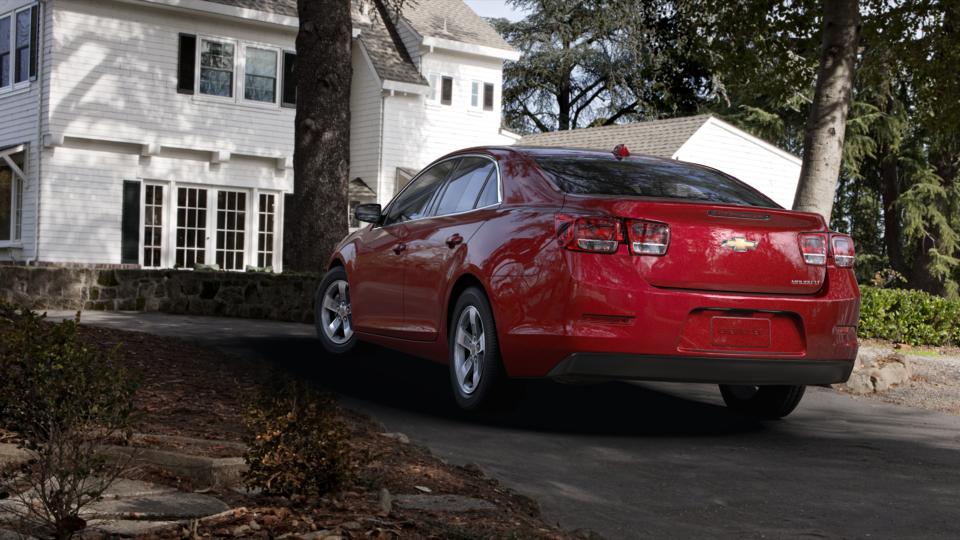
<point x="451" y="19"/>
<point x="655" y="138"/>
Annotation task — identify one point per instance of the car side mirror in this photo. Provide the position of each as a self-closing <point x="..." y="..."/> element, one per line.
<point x="368" y="213"/>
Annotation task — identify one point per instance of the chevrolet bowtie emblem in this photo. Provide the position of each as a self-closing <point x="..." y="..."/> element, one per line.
<point x="740" y="244"/>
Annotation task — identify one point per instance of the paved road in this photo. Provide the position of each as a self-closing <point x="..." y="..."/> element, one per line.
<point x="650" y="460"/>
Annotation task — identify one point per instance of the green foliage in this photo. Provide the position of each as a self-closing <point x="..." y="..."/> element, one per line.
<point x="298" y="445"/>
<point x="909" y="316"/>
<point x="596" y="62"/>
<point x="63" y="400"/>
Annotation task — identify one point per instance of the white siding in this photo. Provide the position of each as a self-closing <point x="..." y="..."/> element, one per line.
<point x="19" y="111"/>
<point x="115" y="78"/>
<point x="418" y="131"/>
<point x="115" y="89"/>
<point x="83" y="189"/>
<point x="365" y="102"/>
<point x="772" y="172"/>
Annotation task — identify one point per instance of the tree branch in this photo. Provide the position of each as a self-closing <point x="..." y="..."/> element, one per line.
<point x="536" y="120"/>
<point x="626" y="110"/>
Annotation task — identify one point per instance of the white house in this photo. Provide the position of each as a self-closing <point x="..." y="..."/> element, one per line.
<point x="703" y="139"/>
<point x="159" y="133"/>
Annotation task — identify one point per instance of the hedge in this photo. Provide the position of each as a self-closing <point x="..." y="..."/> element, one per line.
<point x="908" y="316"/>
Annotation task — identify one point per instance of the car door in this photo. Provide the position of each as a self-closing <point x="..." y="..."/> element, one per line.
<point x="433" y="244"/>
<point x="376" y="286"/>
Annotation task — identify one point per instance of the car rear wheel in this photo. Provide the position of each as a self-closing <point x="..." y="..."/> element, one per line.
<point x="476" y="372"/>
<point x="764" y="402"/>
<point x="333" y="317"/>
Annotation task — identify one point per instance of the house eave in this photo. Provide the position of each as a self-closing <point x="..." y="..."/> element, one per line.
<point x="223" y="10"/>
<point x="410" y="88"/>
<point x="432" y="42"/>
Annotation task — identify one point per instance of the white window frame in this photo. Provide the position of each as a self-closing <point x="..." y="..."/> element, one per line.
<point x="239" y="72"/>
<point x="198" y="69"/>
<point x="278" y="74"/>
<point x="277" y="222"/>
<point x="433" y="79"/>
<point x="19" y="179"/>
<point x="476" y="95"/>
<point x="12" y="15"/>
<point x="164" y="224"/>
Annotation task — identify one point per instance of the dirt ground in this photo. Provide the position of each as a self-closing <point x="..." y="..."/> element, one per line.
<point x="188" y="390"/>
<point x="934" y="382"/>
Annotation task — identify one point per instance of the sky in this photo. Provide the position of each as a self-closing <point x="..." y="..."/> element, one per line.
<point x="494" y="8"/>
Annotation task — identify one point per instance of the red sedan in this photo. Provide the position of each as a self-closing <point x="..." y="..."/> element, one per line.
<point x="510" y="263"/>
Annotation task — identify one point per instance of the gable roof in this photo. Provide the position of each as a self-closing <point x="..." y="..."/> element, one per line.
<point x="654" y="138"/>
<point x="453" y="20"/>
<point x="387" y="54"/>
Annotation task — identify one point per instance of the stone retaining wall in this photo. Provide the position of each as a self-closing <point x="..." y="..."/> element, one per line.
<point x="282" y="297"/>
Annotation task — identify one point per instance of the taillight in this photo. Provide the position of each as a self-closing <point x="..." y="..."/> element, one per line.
<point x="842" y="248"/>
<point x="648" y="237"/>
<point x="813" y="246"/>
<point x="593" y="234"/>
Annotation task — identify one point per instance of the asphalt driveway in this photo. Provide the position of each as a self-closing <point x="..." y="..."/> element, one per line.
<point x="644" y="460"/>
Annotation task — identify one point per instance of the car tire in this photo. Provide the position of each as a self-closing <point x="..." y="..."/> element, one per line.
<point x="763" y="402"/>
<point x="332" y="314"/>
<point x="478" y="380"/>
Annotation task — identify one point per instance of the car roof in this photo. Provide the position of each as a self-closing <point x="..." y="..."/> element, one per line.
<point x="543" y="151"/>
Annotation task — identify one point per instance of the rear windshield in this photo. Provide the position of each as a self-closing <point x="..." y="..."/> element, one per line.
<point x="639" y="177"/>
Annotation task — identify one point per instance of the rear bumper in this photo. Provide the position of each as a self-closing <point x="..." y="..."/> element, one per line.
<point x="702" y="370"/>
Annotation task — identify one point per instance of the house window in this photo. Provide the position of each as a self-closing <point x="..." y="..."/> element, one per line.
<point x="266" y="215"/>
<point x="11" y="193"/>
<point x="434" y="81"/>
<point x="22" y="44"/>
<point x="152" y="226"/>
<point x="260" y="75"/>
<point x="446" y="90"/>
<point x="487" y="97"/>
<point x="216" y="68"/>
<point x="191" y="227"/>
<point x="231" y="225"/>
<point x="475" y="94"/>
<point x="18" y="56"/>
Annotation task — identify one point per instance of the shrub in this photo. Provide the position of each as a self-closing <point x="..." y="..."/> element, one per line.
<point x="63" y="400"/>
<point x="909" y="316"/>
<point x="298" y="444"/>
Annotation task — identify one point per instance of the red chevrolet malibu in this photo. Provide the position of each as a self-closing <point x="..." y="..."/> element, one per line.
<point x="510" y="263"/>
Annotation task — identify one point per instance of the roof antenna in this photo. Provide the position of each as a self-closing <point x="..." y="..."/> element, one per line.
<point x="445" y="25"/>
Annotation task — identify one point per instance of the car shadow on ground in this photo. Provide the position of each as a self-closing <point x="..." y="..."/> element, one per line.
<point x="391" y="379"/>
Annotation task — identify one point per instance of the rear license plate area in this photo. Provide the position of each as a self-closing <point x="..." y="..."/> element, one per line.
<point x="740" y="332"/>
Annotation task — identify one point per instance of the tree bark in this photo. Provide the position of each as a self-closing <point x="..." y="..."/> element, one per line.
<point x="823" y="141"/>
<point x="316" y="214"/>
<point x="892" y="222"/>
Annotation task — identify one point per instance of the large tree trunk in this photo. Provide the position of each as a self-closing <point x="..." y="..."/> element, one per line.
<point x="316" y="213"/>
<point x="823" y="142"/>
<point x="892" y="222"/>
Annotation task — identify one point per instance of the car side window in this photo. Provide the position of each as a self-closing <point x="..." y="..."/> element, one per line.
<point x="491" y="191"/>
<point x="414" y="201"/>
<point x="464" y="186"/>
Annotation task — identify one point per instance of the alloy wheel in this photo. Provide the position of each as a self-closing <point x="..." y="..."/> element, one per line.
<point x="468" y="350"/>
<point x="335" y="314"/>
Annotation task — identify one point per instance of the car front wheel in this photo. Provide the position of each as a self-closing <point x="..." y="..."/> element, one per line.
<point x="333" y="317"/>
<point x="764" y="402"/>
<point x="476" y="372"/>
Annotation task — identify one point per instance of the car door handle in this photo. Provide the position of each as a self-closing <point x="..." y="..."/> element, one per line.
<point x="399" y="248"/>
<point x="454" y="241"/>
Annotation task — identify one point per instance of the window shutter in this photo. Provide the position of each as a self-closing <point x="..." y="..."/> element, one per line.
<point x="34" y="40"/>
<point x="130" y="224"/>
<point x="186" y="66"/>
<point x="289" y="85"/>
<point x="487" y="97"/>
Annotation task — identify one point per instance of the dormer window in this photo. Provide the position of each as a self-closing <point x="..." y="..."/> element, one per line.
<point x="216" y="68"/>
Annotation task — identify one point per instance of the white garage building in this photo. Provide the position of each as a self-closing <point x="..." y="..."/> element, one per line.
<point x="703" y="139"/>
